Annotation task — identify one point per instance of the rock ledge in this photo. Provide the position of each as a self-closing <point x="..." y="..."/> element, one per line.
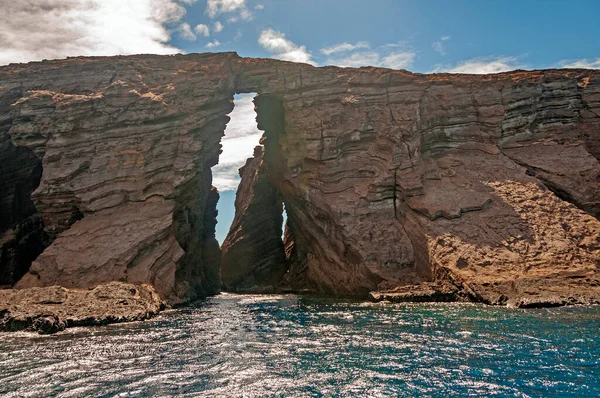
<point x="52" y="309"/>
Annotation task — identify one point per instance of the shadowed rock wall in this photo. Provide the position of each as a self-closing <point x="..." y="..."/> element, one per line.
<point x="253" y="254"/>
<point x="389" y="178"/>
<point x="21" y="229"/>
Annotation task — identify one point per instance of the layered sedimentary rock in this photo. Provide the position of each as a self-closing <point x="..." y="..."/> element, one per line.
<point x="487" y="184"/>
<point x="52" y="309"/>
<point x="126" y="146"/>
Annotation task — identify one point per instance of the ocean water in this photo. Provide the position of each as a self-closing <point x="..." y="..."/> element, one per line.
<point x="290" y="346"/>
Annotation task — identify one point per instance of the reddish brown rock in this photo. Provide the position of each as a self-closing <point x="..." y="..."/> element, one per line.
<point x="390" y="179"/>
<point x="52" y="309"/>
<point x="253" y="255"/>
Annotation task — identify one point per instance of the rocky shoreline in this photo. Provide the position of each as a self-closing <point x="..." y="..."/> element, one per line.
<point x="433" y="294"/>
<point x="48" y="310"/>
<point x="52" y="309"/>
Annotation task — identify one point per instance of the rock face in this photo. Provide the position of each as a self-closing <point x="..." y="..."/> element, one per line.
<point x="126" y="146"/>
<point x="253" y="254"/>
<point x="21" y="230"/>
<point x="52" y="309"/>
<point x="484" y="185"/>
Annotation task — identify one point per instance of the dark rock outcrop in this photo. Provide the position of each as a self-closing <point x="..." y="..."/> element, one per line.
<point x="52" y="309"/>
<point x="22" y="236"/>
<point x="390" y="179"/>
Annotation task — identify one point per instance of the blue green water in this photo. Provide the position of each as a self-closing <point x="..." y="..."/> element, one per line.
<point x="255" y="346"/>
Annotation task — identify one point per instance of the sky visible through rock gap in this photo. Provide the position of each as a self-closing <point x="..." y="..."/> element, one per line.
<point x="241" y="136"/>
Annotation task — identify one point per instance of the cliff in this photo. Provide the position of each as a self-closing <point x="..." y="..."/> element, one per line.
<point x="391" y="180"/>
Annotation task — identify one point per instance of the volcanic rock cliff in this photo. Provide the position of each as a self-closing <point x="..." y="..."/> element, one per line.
<point x="484" y="187"/>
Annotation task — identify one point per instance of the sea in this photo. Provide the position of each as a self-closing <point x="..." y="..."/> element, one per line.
<point x="296" y="346"/>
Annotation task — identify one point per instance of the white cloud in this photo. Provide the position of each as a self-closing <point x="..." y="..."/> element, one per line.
<point x="356" y="60"/>
<point x="32" y="30"/>
<point x="245" y="14"/>
<point x="382" y="58"/>
<point x="185" y="31"/>
<point x="344" y="47"/>
<point x="282" y="48"/>
<point x="202" y="29"/>
<point x="259" y="7"/>
<point x="241" y="136"/>
<point x="217" y="27"/>
<point x="580" y="63"/>
<point x="398" y="60"/>
<point x="482" y="65"/>
<point x="214" y="8"/>
<point x="213" y="44"/>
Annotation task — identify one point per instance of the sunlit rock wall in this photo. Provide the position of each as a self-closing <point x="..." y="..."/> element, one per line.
<point x="389" y="178"/>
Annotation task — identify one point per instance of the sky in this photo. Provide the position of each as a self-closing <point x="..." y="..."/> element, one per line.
<point x="426" y="36"/>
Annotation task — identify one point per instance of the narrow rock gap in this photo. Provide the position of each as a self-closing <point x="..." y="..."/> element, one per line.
<point x="240" y="139"/>
<point x="253" y="252"/>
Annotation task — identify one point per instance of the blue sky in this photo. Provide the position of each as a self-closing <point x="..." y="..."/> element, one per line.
<point x="433" y="35"/>
<point x="476" y="36"/>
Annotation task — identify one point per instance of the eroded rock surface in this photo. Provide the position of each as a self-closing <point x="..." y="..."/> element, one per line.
<point x="390" y="179"/>
<point x="126" y="146"/>
<point x="52" y="309"/>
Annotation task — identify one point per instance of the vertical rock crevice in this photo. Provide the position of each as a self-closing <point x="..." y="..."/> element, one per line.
<point x="254" y="257"/>
<point x="253" y="253"/>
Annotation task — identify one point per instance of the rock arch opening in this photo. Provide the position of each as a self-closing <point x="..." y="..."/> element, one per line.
<point x="240" y="137"/>
<point x="251" y="207"/>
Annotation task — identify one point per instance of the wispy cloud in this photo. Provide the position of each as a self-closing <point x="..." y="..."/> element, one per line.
<point x="213" y="44"/>
<point x="392" y="55"/>
<point x="33" y="30"/>
<point x="581" y="63"/>
<point x="356" y="60"/>
<point x="259" y="7"/>
<point x="241" y="136"/>
<point x="343" y="47"/>
<point x="398" y="60"/>
<point x="217" y="27"/>
<point x="282" y="48"/>
<point x="440" y="45"/>
<point x="483" y="65"/>
<point x="214" y="8"/>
